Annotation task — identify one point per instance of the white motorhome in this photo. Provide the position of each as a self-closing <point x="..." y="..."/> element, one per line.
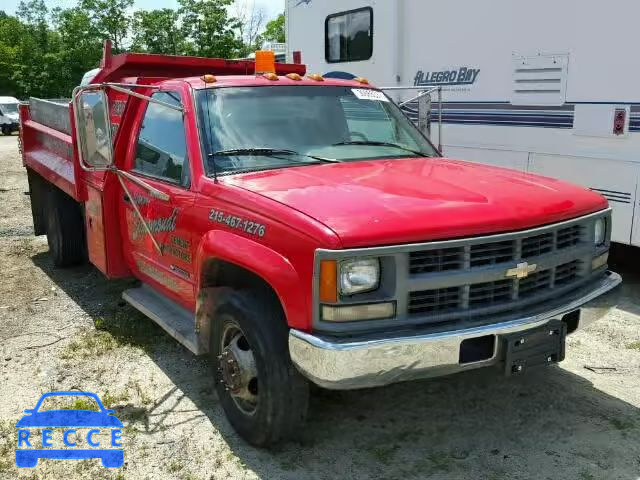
<point x="547" y="87"/>
<point x="9" y="121"/>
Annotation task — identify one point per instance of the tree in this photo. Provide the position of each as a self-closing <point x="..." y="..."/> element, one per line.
<point x="250" y="23"/>
<point x="275" y="31"/>
<point x="157" y="31"/>
<point x="208" y="29"/>
<point x="80" y="45"/>
<point x="111" y="18"/>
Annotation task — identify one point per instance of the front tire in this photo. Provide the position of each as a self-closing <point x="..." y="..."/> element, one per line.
<point x="6" y="131"/>
<point x="263" y="395"/>
<point x="65" y="230"/>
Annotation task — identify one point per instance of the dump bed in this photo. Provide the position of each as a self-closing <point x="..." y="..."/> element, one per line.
<point x="48" y="143"/>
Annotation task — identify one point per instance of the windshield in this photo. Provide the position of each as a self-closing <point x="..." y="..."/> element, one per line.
<point x="259" y="128"/>
<point x="6" y="108"/>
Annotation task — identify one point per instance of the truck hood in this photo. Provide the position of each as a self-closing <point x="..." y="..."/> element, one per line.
<point x="385" y="202"/>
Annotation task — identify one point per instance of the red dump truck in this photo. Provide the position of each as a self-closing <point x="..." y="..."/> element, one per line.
<point x="300" y="229"/>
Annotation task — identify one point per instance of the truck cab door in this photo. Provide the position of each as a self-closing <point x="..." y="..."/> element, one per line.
<point x="158" y="156"/>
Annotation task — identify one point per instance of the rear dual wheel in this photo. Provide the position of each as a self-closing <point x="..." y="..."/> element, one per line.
<point x="65" y="230"/>
<point x="263" y="395"/>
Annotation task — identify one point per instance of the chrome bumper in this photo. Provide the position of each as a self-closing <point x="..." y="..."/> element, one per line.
<point x="376" y="361"/>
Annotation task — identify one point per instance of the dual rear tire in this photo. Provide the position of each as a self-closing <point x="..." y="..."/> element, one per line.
<point x="65" y="229"/>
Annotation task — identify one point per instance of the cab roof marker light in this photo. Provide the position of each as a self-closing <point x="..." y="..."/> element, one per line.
<point x="361" y="80"/>
<point x="208" y="78"/>
<point x="316" y="76"/>
<point x="293" y="76"/>
<point x="271" y="76"/>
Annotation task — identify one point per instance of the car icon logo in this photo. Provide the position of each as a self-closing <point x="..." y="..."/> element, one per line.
<point x="97" y="422"/>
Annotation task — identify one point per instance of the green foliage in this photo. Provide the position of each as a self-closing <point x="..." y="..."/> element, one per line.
<point x="157" y="31"/>
<point x="110" y="18"/>
<point x="45" y="52"/>
<point x="274" y="31"/>
<point x="209" y="30"/>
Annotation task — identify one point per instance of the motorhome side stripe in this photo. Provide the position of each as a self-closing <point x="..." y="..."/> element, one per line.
<point x="506" y="114"/>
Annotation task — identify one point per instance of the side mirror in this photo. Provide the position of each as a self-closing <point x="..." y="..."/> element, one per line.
<point x="93" y="128"/>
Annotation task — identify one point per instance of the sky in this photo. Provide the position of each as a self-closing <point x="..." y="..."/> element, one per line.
<point x="272" y="7"/>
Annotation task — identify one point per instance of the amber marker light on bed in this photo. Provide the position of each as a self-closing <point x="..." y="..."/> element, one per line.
<point x="328" y="281"/>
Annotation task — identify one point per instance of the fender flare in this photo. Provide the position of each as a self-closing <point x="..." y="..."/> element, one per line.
<point x="274" y="269"/>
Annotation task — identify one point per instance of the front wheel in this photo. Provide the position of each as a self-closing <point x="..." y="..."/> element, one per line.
<point x="6" y="130"/>
<point x="263" y="395"/>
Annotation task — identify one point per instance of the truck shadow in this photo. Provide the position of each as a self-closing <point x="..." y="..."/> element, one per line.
<point x="549" y="423"/>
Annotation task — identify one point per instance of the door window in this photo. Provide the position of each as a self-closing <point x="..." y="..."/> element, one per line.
<point x="161" y="151"/>
<point x="349" y="36"/>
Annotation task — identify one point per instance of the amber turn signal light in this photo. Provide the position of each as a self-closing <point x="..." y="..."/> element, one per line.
<point x="328" y="281"/>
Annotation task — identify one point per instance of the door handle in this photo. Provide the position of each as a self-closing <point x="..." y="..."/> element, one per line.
<point x="126" y="198"/>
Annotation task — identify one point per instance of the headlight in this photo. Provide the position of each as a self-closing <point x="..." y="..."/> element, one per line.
<point x="599" y="232"/>
<point x="359" y="275"/>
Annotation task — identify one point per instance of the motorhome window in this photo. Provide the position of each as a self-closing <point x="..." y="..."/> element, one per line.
<point x="349" y="36"/>
<point x="162" y="150"/>
<point x="308" y="122"/>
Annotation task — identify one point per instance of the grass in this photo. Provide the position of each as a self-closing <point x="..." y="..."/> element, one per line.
<point x="383" y="454"/>
<point x="109" y="400"/>
<point x="125" y="328"/>
<point x="7" y="445"/>
<point x="634" y="346"/>
<point x="622" y="424"/>
<point x="175" y="466"/>
<point x="440" y="461"/>
<point x="89" y="344"/>
<point x="81" y="404"/>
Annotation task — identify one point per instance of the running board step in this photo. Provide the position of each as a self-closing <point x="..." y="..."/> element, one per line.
<point x="175" y="320"/>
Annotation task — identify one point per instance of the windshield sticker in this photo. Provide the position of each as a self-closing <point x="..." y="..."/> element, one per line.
<point x="247" y="226"/>
<point x="368" y="94"/>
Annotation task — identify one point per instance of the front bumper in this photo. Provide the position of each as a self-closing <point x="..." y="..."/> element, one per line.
<point x="374" y="361"/>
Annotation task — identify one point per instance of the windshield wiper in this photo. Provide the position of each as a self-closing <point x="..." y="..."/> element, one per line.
<point x="381" y="144"/>
<point x="270" y="152"/>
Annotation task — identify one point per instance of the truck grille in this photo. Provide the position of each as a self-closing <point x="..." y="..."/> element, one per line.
<point x="453" y="258"/>
<point x="471" y="279"/>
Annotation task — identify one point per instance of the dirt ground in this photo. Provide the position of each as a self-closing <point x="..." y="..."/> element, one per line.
<point x="69" y="329"/>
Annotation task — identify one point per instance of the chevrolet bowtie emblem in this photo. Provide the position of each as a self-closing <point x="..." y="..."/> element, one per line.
<point x="522" y="270"/>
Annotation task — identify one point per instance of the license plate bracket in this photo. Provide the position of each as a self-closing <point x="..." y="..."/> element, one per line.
<point x="538" y="346"/>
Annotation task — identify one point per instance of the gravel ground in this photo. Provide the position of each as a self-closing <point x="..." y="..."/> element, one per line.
<point x="69" y="329"/>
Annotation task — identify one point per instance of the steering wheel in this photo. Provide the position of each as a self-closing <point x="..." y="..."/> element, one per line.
<point x="358" y="134"/>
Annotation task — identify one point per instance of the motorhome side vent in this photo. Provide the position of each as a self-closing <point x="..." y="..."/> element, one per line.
<point x="539" y="79"/>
